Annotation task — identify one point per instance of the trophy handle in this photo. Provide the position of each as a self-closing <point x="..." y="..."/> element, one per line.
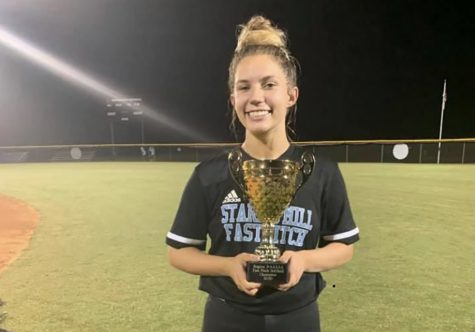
<point x="235" y="168"/>
<point x="306" y="167"/>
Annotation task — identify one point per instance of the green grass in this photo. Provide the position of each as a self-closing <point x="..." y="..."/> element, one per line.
<point x="413" y="269"/>
<point x="97" y="259"/>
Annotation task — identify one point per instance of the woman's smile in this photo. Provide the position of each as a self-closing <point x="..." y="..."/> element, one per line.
<point x="258" y="114"/>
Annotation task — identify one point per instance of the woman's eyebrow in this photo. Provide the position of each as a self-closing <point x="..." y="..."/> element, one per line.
<point x="267" y="78"/>
<point x="242" y="81"/>
<point x="263" y="79"/>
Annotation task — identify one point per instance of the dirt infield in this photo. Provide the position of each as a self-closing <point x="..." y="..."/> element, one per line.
<point x="17" y="223"/>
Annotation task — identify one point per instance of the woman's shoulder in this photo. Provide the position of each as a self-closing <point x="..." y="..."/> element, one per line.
<point x="214" y="169"/>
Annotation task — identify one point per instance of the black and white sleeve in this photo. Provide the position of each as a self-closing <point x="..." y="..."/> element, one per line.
<point x="337" y="220"/>
<point x="189" y="228"/>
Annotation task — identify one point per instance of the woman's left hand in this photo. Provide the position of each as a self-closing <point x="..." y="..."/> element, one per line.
<point x="296" y="267"/>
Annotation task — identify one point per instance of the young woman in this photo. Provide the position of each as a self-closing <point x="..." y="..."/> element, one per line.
<point x="316" y="232"/>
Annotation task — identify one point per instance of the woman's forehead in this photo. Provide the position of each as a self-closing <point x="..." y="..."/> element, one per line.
<point x="258" y="66"/>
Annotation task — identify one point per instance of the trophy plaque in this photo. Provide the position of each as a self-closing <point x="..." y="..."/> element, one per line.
<point x="270" y="186"/>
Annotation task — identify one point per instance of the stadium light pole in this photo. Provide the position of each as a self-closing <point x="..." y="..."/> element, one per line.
<point x="444" y="99"/>
<point x="111" y="113"/>
<point x="122" y="109"/>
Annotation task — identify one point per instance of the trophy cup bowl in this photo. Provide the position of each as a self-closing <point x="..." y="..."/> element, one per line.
<point x="270" y="186"/>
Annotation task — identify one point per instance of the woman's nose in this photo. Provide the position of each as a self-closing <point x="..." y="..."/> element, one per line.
<point x="257" y="96"/>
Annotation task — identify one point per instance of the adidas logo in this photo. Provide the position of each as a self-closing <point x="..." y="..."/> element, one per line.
<point x="232" y="197"/>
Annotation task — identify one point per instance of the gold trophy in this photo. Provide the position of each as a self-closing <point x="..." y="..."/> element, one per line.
<point x="270" y="186"/>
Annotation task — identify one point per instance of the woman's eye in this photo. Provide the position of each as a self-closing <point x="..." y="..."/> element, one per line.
<point x="269" y="85"/>
<point x="243" y="88"/>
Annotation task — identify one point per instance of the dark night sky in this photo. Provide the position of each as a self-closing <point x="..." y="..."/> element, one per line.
<point x="370" y="69"/>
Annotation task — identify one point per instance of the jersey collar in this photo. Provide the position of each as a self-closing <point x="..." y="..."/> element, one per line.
<point x="288" y="154"/>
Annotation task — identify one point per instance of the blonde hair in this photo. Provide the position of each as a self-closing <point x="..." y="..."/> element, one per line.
<point x="260" y="36"/>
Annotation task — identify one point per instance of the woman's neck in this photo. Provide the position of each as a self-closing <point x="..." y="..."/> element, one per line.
<point x="262" y="149"/>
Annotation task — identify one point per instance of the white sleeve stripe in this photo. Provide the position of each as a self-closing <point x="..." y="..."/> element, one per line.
<point x="182" y="239"/>
<point x="341" y="235"/>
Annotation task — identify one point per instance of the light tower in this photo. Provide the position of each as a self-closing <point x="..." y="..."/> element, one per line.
<point x="123" y="109"/>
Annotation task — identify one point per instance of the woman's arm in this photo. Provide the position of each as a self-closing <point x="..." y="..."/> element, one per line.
<point x="195" y="261"/>
<point x="327" y="258"/>
<point x="323" y="259"/>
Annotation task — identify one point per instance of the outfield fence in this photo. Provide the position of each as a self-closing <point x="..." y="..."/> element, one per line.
<point x="394" y="151"/>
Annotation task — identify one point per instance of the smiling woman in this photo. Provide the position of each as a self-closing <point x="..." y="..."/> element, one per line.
<point x="17" y="223"/>
<point x="316" y="232"/>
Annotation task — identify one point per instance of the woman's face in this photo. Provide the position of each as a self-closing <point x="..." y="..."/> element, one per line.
<point x="261" y="95"/>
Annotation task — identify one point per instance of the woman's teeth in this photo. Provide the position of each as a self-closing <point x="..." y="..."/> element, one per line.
<point x="257" y="113"/>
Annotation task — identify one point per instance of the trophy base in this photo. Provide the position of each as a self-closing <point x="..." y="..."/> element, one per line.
<point x="267" y="273"/>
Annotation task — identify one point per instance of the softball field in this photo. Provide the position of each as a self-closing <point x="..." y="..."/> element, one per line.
<point x="82" y="249"/>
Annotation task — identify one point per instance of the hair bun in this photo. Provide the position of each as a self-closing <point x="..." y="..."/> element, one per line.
<point x="260" y="31"/>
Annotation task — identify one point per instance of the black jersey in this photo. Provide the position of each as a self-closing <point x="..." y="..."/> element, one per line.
<point x="212" y="205"/>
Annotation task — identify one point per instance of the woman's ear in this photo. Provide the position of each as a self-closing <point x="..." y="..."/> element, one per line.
<point x="231" y="100"/>
<point x="293" y="96"/>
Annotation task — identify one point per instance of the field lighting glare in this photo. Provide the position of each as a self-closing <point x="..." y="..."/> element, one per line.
<point x="78" y="77"/>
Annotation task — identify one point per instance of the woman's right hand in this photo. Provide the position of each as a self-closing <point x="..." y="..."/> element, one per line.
<point x="237" y="272"/>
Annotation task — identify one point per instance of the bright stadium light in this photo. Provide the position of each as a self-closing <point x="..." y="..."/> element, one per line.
<point x="78" y="77"/>
<point x="54" y="64"/>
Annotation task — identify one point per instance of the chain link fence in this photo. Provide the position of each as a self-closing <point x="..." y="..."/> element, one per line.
<point x="460" y="151"/>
